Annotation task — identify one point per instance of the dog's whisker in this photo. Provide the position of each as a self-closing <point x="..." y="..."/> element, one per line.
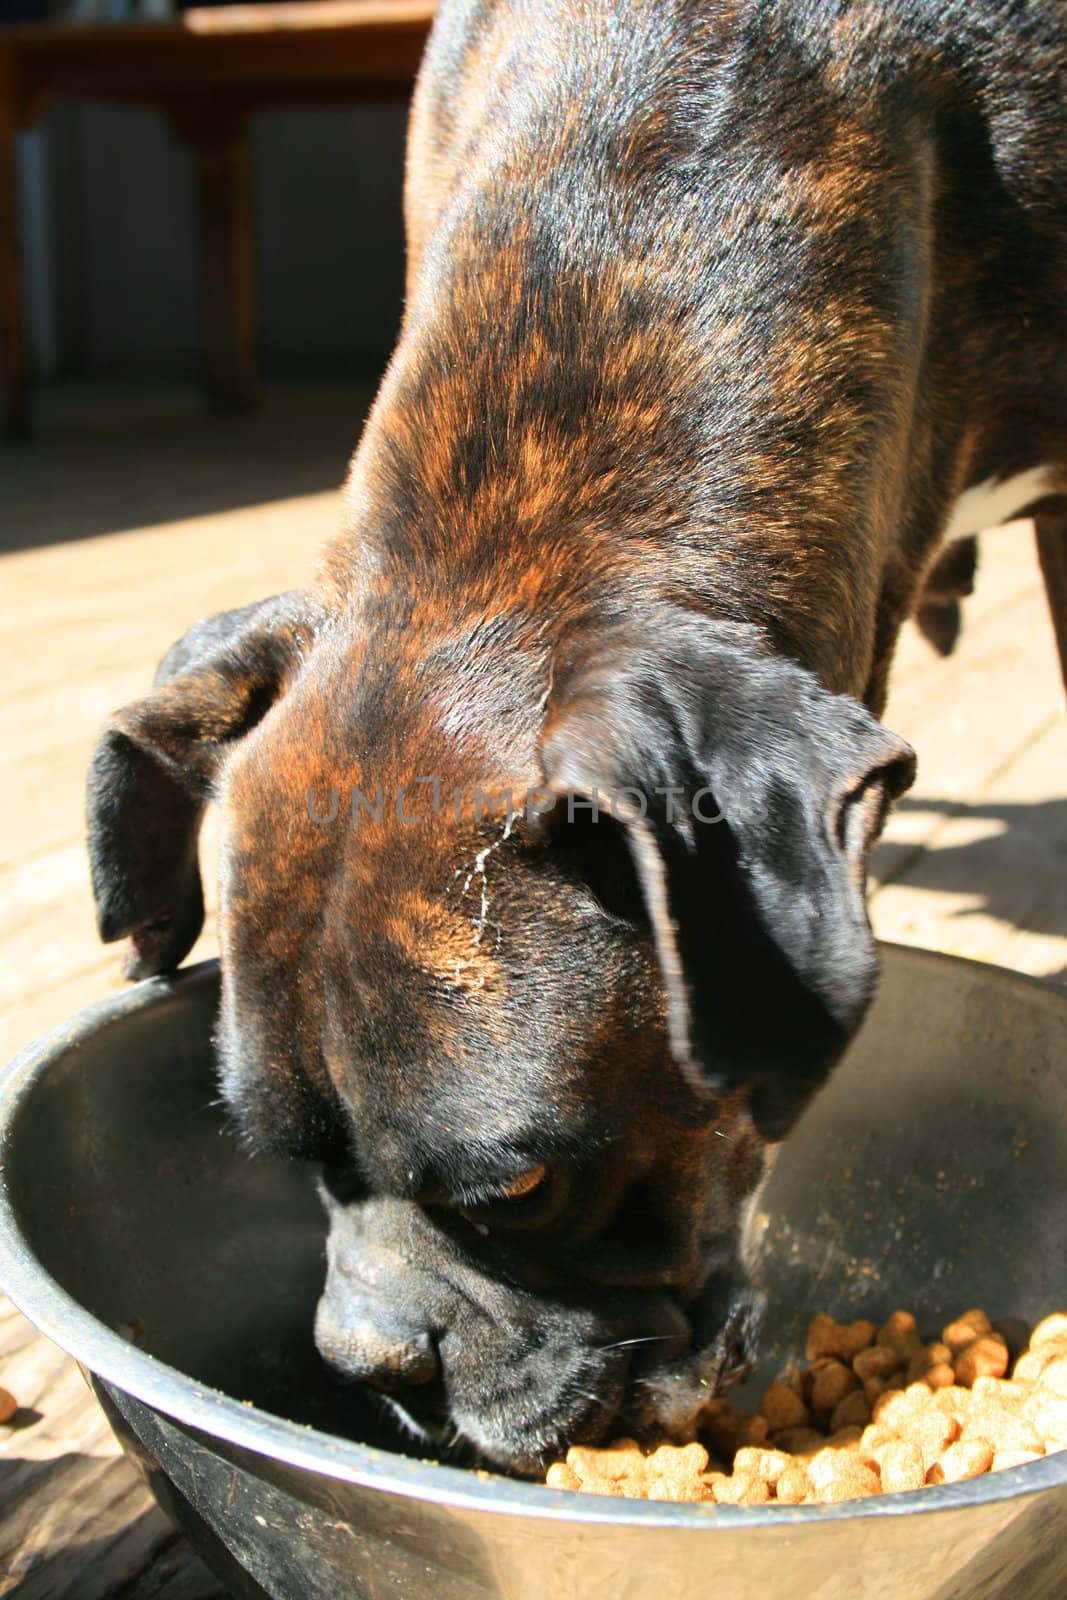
<point x="625" y="1344"/>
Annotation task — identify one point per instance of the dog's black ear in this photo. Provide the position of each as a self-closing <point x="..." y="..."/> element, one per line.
<point x="154" y="765"/>
<point x="749" y="796"/>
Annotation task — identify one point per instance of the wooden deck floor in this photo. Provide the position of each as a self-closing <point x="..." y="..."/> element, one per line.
<point x="132" y="516"/>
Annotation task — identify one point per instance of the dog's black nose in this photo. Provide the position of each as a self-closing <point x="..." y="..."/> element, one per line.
<point x="387" y="1357"/>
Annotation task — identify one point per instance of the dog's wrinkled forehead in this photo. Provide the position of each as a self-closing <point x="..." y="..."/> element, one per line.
<point x="446" y="952"/>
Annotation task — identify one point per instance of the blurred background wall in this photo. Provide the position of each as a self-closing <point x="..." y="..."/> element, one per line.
<point x="118" y="298"/>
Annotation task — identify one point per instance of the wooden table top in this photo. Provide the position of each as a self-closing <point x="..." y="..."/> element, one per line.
<point x="297" y="17"/>
<point x="265" y="51"/>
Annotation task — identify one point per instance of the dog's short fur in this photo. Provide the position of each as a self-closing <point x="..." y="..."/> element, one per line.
<point x="717" y="312"/>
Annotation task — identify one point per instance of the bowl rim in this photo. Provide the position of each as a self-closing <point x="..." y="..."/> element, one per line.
<point x="180" y="1397"/>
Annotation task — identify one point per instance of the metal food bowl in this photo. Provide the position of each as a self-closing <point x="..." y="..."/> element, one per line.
<point x="183" y="1275"/>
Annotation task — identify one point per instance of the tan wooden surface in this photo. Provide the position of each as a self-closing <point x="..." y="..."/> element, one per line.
<point x="131" y="517"/>
<point x="362" y="44"/>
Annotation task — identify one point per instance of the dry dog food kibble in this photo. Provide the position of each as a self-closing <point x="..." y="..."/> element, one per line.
<point x="875" y="1411"/>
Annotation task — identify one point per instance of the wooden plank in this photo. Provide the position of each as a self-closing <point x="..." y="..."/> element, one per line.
<point x="76" y="1520"/>
<point x="296" y="15"/>
<point x="991" y="883"/>
<point x="974" y="859"/>
<point x="1005" y="581"/>
<point x="375" y="48"/>
<point x="172" y="568"/>
<point x="63" y="966"/>
<point x="969" y="715"/>
<point x="304" y="15"/>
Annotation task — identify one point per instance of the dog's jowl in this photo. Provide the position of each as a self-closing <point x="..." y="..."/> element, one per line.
<point x="545" y="812"/>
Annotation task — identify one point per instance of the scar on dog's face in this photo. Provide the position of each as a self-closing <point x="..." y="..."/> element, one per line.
<point x="540" y="1050"/>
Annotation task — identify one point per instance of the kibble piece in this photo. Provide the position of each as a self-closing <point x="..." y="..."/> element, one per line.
<point x="837" y="1475"/>
<point x="766" y="1464"/>
<point x="954" y="1401"/>
<point x="794" y="1486"/>
<point x="811" y="1372"/>
<point x="1032" y="1363"/>
<point x="781" y="1407"/>
<point x="673" y="1472"/>
<point x="690" y="1458"/>
<point x="900" y="1463"/>
<point x="560" y="1476"/>
<point x="1005" y="1430"/>
<point x="602" y="1486"/>
<point x="844" y="1339"/>
<point x="853" y="1337"/>
<point x="1049" y="1330"/>
<point x="964" y="1459"/>
<point x="1003" y="1460"/>
<point x="913" y="1415"/>
<point x="622" y="1459"/>
<point x="822" y="1337"/>
<point x="965" y="1330"/>
<point x="586" y="1462"/>
<point x="875" y="1436"/>
<point x="931" y="1355"/>
<point x="901" y="1334"/>
<point x="986" y="1357"/>
<point x="877" y="1361"/>
<point x="1049" y="1417"/>
<point x="897" y="1408"/>
<point x="873" y="1387"/>
<point x="1001" y="1391"/>
<point x="667" y="1486"/>
<point x="743" y="1489"/>
<point x="832" y="1383"/>
<point x="933" y="1432"/>
<point x="1054" y="1378"/>
<point x="854" y="1410"/>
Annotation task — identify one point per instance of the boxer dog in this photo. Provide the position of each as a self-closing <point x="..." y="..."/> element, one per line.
<point x="545" y="812"/>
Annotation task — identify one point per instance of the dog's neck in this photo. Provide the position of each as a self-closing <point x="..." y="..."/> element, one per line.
<point x="720" y="348"/>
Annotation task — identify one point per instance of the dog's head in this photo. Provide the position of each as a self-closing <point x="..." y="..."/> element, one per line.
<point x="539" y="952"/>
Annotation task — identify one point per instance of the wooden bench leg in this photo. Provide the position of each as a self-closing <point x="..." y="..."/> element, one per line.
<point x="219" y="142"/>
<point x="1051" y="530"/>
<point x="14" y="376"/>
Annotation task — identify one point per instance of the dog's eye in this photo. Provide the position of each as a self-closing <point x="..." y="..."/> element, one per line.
<point x="524" y="1187"/>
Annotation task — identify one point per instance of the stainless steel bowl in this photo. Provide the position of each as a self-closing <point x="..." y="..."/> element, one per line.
<point x="182" y="1274"/>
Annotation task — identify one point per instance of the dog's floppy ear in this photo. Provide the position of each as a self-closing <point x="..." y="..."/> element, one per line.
<point x="749" y="796"/>
<point x="154" y="764"/>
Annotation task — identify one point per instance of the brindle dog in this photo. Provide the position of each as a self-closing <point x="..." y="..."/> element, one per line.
<point x="719" y="317"/>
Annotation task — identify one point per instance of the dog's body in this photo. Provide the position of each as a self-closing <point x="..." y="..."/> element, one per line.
<point x="719" y="316"/>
